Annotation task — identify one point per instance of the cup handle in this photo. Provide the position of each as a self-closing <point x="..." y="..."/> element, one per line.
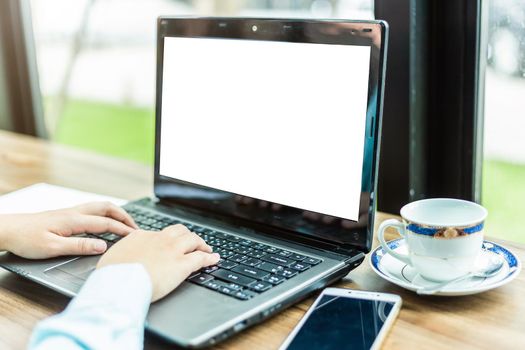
<point x="400" y="227"/>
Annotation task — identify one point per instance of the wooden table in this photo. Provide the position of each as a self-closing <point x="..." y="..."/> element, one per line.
<point x="491" y="320"/>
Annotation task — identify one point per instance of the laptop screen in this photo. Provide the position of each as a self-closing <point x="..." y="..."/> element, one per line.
<point x="271" y="124"/>
<point x="270" y="120"/>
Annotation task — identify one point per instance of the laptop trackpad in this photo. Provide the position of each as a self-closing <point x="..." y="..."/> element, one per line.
<point x="76" y="271"/>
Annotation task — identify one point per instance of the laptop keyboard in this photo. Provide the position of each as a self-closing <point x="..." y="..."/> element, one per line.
<point x="246" y="269"/>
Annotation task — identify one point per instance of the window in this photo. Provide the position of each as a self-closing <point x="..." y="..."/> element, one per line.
<point x="96" y="61"/>
<point x="504" y="144"/>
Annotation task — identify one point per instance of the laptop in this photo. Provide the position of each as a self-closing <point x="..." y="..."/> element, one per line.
<point x="267" y="146"/>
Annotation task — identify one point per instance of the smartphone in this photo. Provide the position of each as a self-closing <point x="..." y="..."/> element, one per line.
<point x="345" y="319"/>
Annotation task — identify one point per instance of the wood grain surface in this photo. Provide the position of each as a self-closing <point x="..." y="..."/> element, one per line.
<point x="490" y="320"/>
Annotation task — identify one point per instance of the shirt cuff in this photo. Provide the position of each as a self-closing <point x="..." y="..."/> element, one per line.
<point x="125" y="287"/>
<point x="108" y="313"/>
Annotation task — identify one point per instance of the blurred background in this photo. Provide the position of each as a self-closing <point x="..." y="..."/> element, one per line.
<point x="97" y="62"/>
<point x="96" y="66"/>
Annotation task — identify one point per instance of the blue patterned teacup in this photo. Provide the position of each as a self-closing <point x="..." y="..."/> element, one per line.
<point x="443" y="236"/>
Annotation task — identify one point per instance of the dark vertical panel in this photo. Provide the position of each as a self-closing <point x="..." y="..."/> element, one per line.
<point x="453" y="98"/>
<point x="418" y="99"/>
<point x="393" y="181"/>
<point x="19" y="65"/>
<point x="433" y="117"/>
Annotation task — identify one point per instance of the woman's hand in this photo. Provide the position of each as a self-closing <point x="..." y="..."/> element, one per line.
<point x="169" y="256"/>
<point x="48" y="234"/>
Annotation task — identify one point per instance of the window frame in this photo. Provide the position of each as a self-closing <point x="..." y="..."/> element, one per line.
<point x="433" y="113"/>
<point x="23" y="110"/>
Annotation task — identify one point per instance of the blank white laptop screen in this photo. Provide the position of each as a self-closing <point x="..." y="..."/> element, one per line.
<point x="278" y="121"/>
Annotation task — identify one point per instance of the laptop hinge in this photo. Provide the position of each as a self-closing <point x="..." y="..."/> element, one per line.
<point x="346" y="252"/>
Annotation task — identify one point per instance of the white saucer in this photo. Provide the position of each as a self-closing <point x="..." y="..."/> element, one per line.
<point x="405" y="276"/>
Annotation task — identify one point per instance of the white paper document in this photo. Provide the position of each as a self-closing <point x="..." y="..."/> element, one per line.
<point x="42" y="196"/>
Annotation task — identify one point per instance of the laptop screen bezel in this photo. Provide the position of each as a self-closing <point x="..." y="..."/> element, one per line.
<point x="372" y="33"/>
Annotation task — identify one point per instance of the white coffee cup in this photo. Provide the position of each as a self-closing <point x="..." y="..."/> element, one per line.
<point x="443" y="236"/>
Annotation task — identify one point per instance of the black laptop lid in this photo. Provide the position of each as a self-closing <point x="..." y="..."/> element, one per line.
<point x="272" y="123"/>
